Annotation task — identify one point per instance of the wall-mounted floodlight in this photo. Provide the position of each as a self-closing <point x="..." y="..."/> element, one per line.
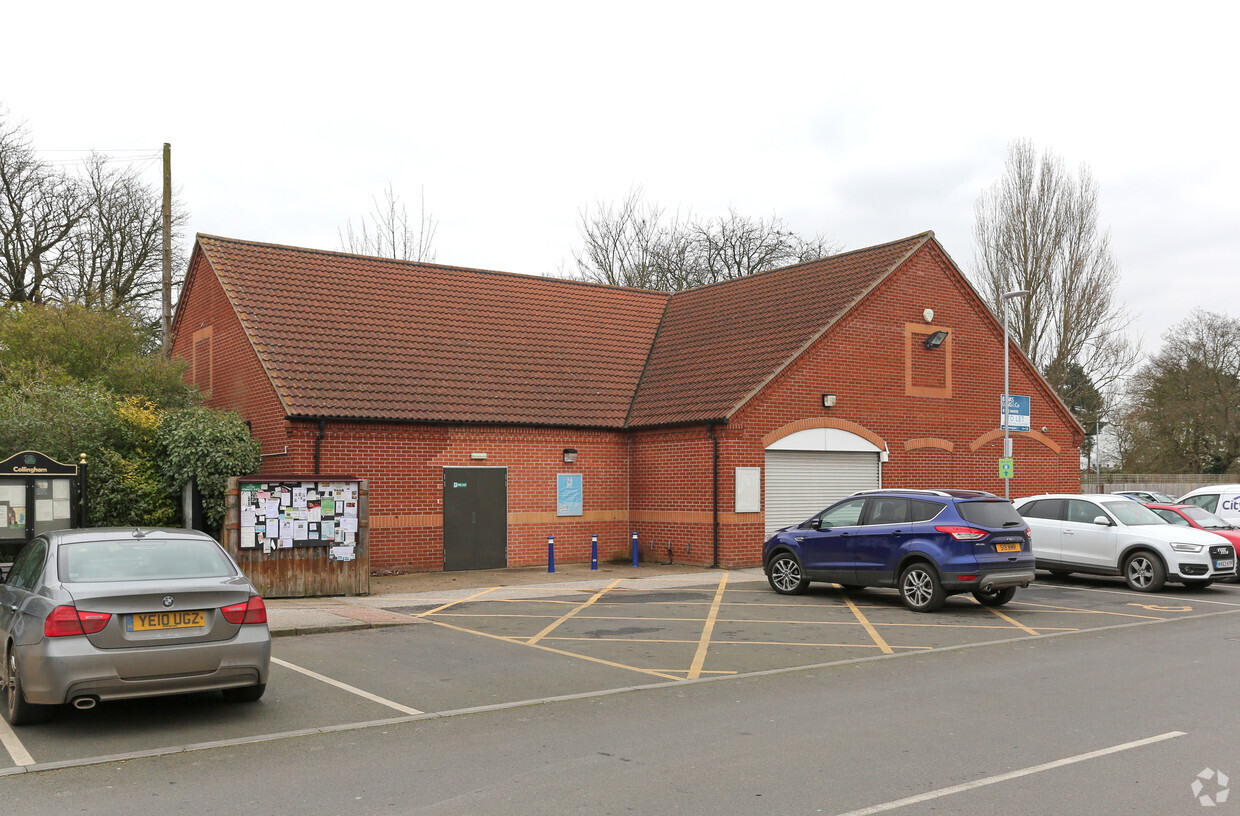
<point x="570" y="456"/>
<point x="935" y="340"/>
<point x="828" y="400"/>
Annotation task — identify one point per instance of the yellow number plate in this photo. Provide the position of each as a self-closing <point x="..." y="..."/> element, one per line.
<point x="1013" y="547"/>
<point x="146" y="621"/>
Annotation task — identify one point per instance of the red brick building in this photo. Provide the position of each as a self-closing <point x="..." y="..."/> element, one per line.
<point x="489" y="410"/>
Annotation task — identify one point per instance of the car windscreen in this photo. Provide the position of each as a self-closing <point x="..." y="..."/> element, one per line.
<point x="1133" y="514"/>
<point x="990" y="513"/>
<point x="148" y="559"/>
<point x="1205" y="518"/>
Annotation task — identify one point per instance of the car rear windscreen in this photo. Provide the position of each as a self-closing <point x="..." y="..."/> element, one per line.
<point x="990" y="514"/>
<point x="142" y="560"/>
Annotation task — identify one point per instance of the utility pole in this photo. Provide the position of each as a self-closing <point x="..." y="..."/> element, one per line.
<point x="166" y="320"/>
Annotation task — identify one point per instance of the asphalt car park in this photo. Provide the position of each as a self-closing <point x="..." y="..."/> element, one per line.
<point x="470" y="653"/>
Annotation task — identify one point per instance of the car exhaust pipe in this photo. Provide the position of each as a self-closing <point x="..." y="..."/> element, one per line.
<point x="84" y="703"/>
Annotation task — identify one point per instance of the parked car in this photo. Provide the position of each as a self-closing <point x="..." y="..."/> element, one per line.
<point x="109" y="613"/>
<point x="1222" y="500"/>
<point x="1190" y="515"/>
<point x="1145" y="496"/>
<point x="928" y="544"/>
<point x="1107" y="535"/>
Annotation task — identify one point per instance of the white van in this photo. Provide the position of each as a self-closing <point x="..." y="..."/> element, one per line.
<point x="1221" y="500"/>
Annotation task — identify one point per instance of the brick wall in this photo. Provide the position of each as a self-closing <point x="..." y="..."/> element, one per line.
<point x="935" y="411"/>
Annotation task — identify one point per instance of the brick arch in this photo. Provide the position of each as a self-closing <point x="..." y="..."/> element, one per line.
<point x="930" y="442"/>
<point x="822" y="422"/>
<point x="991" y="436"/>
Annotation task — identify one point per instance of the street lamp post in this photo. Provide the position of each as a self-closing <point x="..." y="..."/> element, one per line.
<point x="1007" y="397"/>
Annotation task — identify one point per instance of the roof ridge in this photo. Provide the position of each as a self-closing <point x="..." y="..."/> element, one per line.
<point x="428" y="264"/>
<point x="920" y="236"/>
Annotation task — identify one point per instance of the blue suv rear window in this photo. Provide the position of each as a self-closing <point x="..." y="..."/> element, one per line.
<point x="990" y="514"/>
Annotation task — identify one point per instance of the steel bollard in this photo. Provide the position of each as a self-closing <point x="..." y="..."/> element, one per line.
<point x="550" y="553"/>
<point x="594" y="551"/>
<point x="635" y="548"/>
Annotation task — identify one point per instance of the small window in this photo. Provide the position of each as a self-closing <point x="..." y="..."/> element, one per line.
<point x="26" y="570"/>
<point x="1083" y="512"/>
<point x="923" y="510"/>
<point x="1044" y="509"/>
<point x="1173" y="517"/>
<point x="888" y="510"/>
<point x="844" y="514"/>
<point x="1206" y="501"/>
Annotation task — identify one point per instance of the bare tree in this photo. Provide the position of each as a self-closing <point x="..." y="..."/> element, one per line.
<point x="1037" y="229"/>
<point x="1186" y="401"/>
<point x="39" y="209"/>
<point x="388" y="231"/>
<point x="633" y="244"/>
<point x="112" y="259"/>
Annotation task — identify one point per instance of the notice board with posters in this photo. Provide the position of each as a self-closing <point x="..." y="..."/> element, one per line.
<point x="299" y="536"/>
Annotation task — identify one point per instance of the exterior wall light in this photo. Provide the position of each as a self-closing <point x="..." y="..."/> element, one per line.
<point x="935" y="340"/>
<point x="828" y="400"/>
<point x="570" y="456"/>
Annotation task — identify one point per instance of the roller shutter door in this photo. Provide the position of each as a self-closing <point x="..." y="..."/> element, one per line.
<point x="800" y="483"/>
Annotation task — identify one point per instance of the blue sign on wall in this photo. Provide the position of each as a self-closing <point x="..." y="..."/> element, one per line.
<point x="1014" y="412"/>
<point x="568" y="500"/>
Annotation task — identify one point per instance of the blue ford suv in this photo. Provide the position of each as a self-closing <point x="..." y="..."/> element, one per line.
<point x="928" y="544"/>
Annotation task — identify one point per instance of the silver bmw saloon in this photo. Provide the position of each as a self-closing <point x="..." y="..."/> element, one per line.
<point x="112" y="613"/>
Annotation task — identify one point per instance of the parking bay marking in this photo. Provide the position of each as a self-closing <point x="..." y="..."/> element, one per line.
<point x="992" y="780"/>
<point x="346" y="687"/>
<point x="14" y="746"/>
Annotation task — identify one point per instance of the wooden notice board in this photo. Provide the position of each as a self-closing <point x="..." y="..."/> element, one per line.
<point x="298" y="536"/>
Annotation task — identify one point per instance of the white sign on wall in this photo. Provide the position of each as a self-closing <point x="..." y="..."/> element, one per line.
<point x="749" y="490"/>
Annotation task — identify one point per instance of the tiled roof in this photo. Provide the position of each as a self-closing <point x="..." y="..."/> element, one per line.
<point x="719" y="343"/>
<point x="354" y="337"/>
<point x="348" y="336"/>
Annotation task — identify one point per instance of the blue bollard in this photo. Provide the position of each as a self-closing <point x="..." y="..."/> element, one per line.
<point x="594" y="551"/>
<point x="550" y="553"/>
<point x="635" y="548"/>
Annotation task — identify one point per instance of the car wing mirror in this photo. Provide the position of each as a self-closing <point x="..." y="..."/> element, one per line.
<point x="1102" y="520"/>
<point x="814" y="523"/>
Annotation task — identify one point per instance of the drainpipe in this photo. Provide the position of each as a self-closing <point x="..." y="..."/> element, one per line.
<point x="318" y="444"/>
<point x="714" y="494"/>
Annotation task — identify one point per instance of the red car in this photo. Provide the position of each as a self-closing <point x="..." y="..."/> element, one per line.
<point x="1190" y="515"/>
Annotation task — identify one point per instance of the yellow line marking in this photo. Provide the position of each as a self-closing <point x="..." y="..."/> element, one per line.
<point x="1007" y="618"/>
<point x="14" y="745"/>
<point x="869" y="627"/>
<point x="1074" y="610"/>
<point x="346" y="687"/>
<point x="454" y="603"/>
<point x="809" y="644"/>
<point x="523" y="642"/>
<point x="695" y="669"/>
<point x="534" y="640"/>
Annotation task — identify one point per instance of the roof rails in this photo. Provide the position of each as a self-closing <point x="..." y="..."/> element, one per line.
<point x="949" y="493"/>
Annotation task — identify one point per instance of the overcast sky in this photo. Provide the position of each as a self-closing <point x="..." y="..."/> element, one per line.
<point x="864" y="122"/>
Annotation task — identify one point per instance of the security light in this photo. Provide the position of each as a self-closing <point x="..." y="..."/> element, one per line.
<point x="935" y="340"/>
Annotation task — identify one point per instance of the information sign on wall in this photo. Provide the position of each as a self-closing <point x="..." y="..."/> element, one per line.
<point x="569" y="498"/>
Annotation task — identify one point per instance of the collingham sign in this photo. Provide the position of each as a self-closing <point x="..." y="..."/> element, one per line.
<point x="33" y="463"/>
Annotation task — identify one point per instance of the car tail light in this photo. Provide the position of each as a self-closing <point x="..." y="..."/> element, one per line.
<point x="962" y="533"/>
<point x="251" y="611"/>
<point x="66" y="621"/>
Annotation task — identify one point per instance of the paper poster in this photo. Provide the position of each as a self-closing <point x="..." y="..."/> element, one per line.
<point x="343" y="553"/>
<point x="314" y="511"/>
<point x="301" y="530"/>
<point x="247" y="517"/>
<point x="299" y="497"/>
<point x="247" y="537"/>
<point x="272" y="508"/>
<point x="327" y="530"/>
<point x="312" y="530"/>
<point x="328" y="506"/>
<point x="286" y="529"/>
<point x="350" y="508"/>
<point x="273" y="528"/>
<point x="286" y="543"/>
<point x="348" y="524"/>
